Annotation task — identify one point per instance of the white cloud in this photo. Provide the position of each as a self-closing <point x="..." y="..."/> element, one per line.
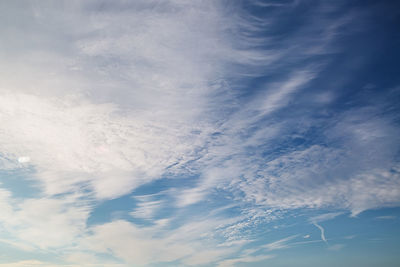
<point x="43" y="222"/>
<point x="281" y="96"/>
<point x="207" y="256"/>
<point x="27" y="263"/>
<point x="107" y="102"/>
<point x="323" y="238"/>
<point x="147" y="245"/>
<point x="325" y="217"/>
<point x="134" y="245"/>
<point x="99" y="99"/>
<point x="147" y="210"/>
<point x="24" y="159"/>
<point x="246" y="259"/>
<point x="87" y="143"/>
<point x="155" y="73"/>
<point x="280" y="244"/>
<point x="32" y="263"/>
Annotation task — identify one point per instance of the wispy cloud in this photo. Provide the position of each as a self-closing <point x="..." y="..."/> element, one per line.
<point x="280" y="244"/>
<point x="147" y="209"/>
<point x="246" y="259"/>
<point x="323" y="238"/>
<point x="336" y="247"/>
<point x="99" y="99"/>
<point x="324" y="217"/>
<point x="387" y="217"/>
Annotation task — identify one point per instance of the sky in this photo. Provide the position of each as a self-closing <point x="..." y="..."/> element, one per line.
<point x="199" y="133"/>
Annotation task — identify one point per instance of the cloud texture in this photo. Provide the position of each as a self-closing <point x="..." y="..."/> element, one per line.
<point x="100" y="99"/>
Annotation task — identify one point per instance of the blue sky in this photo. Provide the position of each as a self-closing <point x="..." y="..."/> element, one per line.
<point x="199" y="133"/>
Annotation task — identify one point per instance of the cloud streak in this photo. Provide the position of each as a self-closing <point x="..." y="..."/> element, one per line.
<point x="323" y="238"/>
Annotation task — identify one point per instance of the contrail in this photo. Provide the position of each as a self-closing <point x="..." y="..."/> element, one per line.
<point x="322" y="232"/>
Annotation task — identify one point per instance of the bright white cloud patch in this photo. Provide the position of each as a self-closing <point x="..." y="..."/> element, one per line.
<point x="24" y="159"/>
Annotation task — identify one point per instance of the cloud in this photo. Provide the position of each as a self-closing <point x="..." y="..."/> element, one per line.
<point x="43" y="223"/>
<point x="323" y="238"/>
<point x="87" y="143"/>
<point x="189" y="243"/>
<point x="246" y="259"/>
<point x="387" y="217"/>
<point x="31" y="263"/>
<point x="147" y="210"/>
<point x="207" y="256"/>
<point x="280" y="97"/>
<point x="129" y="243"/>
<point x="99" y="99"/>
<point x="325" y="217"/>
<point x="135" y="106"/>
<point x="24" y="159"/>
<point x="26" y="263"/>
<point x="280" y="244"/>
<point x="336" y="247"/>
